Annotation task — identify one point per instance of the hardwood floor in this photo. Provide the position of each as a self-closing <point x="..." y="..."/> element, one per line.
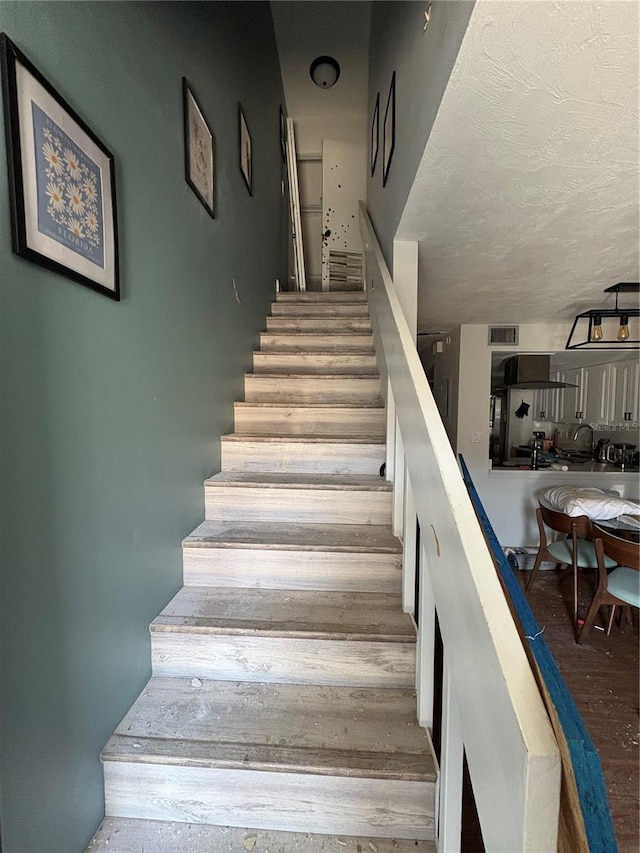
<point x="602" y="675"/>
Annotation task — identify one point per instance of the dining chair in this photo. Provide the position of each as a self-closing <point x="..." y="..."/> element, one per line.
<point x="619" y="587"/>
<point x="575" y="550"/>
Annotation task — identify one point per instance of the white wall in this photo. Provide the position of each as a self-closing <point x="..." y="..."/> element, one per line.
<point x="310" y="29"/>
<point x="304" y="31"/>
<point x="344" y="184"/>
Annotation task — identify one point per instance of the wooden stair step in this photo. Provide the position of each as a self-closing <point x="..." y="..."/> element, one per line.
<point x="315" y="362"/>
<point x="349" y="455"/>
<point x="326" y="341"/>
<point x="128" y="835"/>
<point x="357" y="557"/>
<point x="349" y="538"/>
<point x="320" y="297"/>
<point x="313" y="498"/>
<point x="325" y="419"/>
<point x="320" y="309"/>
<point x="285" y="636"/>
<point x="294" y="614"/>
<point x="318" y="324"/>
<point x="327" y="388"/>
<point x="347" y="730"/>
<point x="218" y="753"/>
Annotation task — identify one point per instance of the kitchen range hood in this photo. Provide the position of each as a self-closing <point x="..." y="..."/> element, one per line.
<point x="529" y="372"/>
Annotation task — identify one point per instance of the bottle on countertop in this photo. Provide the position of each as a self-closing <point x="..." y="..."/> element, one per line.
<point x="536" y="450"/>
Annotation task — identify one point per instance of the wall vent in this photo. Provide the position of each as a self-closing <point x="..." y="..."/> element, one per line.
<point x="500" y="336"/>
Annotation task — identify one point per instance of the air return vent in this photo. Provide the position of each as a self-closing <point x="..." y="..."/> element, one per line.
<point x="503" y="335"/>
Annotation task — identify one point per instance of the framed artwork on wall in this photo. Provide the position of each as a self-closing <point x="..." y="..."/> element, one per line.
<point x="375" y="134"/>
<point x="198" y="150"/>
<point x="61" y="180"/>
<point x="246" y="163"/>
<point x="389" y="131"/>
<point x="283" y="136"/>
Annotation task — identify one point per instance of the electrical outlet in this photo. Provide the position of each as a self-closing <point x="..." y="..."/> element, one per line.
<point x="476" y="438"/>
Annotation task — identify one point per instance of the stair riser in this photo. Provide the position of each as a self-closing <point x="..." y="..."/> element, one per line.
<point x="313" y="389"/>
<point x="282" y="660"/>
<point x="286" y="801"/>
<point x="309" y="342"/>
<point x="319" y="506"/>
<point x="323" y="298"/>
<point x="335" y="286"/>
<point x="268" y="568"/>
<point x="314" y="363"/>
<point x="293" y="309"/>
<point x="310" y="324"/>
<point x="302" y="458"/>
<point x="289" y="420"/>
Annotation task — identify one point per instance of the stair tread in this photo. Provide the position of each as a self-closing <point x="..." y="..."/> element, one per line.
<point x="233" y="479"/>
<point x="334" y="352"/>
<point x="288" y="404"/>
<point x="362" y="438"/>
<point x="356" y="538"/>
<point x="302" y="614"/>
<point x="128" y="835"/>
<point x="301" y="333"/>
<point x="321" y="296"/>
<point x="347" y="731"/>
<point x="307" y="376"/>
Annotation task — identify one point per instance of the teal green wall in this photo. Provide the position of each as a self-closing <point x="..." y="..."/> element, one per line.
<point x="423" y="62"/>
<point x="111" y="413"/>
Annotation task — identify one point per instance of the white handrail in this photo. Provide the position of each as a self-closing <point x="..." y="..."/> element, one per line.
<point x="294" y="208"/>
<point x="493" y="704"/>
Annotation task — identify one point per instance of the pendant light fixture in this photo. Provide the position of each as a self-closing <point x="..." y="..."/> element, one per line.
<point x="587" y="329"/>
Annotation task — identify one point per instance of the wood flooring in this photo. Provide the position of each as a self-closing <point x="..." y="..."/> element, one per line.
<point x="602" y="676"/>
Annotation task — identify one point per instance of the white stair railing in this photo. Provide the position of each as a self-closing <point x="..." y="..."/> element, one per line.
<point x="491" y="706"/>
<point x="294" y="208"/>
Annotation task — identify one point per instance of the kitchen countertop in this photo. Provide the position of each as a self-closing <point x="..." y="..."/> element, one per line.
<point x="588" y="466"/>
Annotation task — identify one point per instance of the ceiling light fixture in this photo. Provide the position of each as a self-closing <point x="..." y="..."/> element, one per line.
<point x="596" y="331"/>
<point x="590" y="323"/>
<point x="324" y="72"/>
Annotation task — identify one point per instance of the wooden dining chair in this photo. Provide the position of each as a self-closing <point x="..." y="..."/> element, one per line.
<point x="575" y="550"/>
<point x="619" y="587"/>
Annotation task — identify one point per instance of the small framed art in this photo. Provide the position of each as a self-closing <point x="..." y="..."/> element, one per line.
<point x="61" y="180"/>
<point x="375" y="134"/>
<point x="198" y="150"/>
<point x="246" y="162"/>
<point x="283" y="136"/>
<point x="389" y="131"/>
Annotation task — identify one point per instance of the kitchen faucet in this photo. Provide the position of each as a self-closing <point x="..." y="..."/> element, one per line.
<point x="593" y="435"/>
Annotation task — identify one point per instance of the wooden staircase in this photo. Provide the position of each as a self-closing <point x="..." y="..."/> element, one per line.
<point x="282" y="688"/>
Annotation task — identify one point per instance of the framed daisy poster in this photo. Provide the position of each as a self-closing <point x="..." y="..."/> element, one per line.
<point x="61" y="180"/>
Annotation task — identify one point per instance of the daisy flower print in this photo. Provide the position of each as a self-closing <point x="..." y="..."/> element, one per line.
<point x="69" y="186"/>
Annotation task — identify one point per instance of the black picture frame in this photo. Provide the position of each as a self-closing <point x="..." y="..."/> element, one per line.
<point x="283" y="136"/>
<point x="375" y="134"/>
<point x="389" y="131"/>
<point x="199" y="150"/>
<point x="244" y="150"/>
<point x="62" y="188"/>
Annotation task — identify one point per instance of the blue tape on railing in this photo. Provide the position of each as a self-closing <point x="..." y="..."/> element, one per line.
<point x="584" y="757"/>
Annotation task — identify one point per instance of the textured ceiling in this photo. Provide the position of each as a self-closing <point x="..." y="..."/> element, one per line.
<point x="526" y="201"/>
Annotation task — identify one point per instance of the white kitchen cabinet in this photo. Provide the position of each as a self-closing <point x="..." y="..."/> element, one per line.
<point x="597" y="396"/>
<point x="624" y="391"/>
<point x="571" y="406"/>
<point x="541" y="404"/>
<point x="556" y="397"/>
